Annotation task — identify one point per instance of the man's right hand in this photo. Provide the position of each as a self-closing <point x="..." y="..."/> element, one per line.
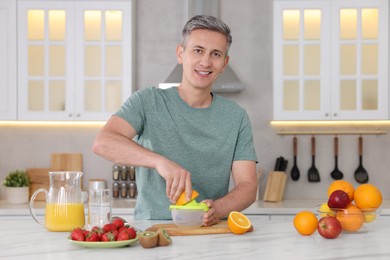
<point x="177" y="179"/>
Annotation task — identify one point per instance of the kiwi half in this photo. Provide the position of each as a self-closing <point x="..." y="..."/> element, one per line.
<point x="148" y="239"/>
<point x="164" y="238"/>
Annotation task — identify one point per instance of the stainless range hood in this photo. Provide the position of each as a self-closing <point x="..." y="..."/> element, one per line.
<point x="228" y="80"/>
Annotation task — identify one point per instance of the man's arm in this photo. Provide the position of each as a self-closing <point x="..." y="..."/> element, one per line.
<point x="114" y="143"/>
<point x="239" y="198"/>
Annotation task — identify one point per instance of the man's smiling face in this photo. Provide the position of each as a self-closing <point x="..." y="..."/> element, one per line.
<point x="204" y="57"/>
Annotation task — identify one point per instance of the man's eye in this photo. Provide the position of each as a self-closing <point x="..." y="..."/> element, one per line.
<point x="197" y="50"/>
<point x="217" y="54"/>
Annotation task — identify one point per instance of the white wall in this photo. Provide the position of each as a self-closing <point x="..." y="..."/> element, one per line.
<point x="158" y="27"/>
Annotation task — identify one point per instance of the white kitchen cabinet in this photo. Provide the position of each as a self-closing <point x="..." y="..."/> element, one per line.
<point x="331" y="60"/>
<point x="74" y="59"/>
<point x="8" y="60"/>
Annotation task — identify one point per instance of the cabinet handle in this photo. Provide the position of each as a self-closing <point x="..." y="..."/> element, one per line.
<point x="70" y="115"/>
<point x="326" y="114"/>
<point x="335" y="114"/>
<point x="78" y="114"/>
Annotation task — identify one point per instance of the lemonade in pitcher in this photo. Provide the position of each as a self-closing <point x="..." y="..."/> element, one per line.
<point x="64" y="217"/>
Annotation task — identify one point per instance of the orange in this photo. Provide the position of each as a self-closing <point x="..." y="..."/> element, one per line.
<point x="342" y="185"/>
<point x="182" y="198"/>
<point x="305" y="222"/>
<point x="238" y="223"/>
<point x="351" y="218"/>
<point x="367" y="196"/>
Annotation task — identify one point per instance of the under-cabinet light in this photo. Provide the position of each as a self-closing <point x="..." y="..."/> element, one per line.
<point x="53" y="123"/>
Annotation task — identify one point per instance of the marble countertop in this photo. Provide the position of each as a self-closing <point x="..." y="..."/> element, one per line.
<point x="126" y="207"/>
<point x="24" y="239"/>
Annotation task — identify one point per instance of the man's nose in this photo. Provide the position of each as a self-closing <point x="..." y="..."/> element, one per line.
<point x="205" y="61"/>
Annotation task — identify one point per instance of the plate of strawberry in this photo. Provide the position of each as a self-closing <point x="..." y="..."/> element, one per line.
<point x="111" y="235"/>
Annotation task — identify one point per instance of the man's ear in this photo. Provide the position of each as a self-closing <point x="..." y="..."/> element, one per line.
<point x="226" y="62"/>
<point x="179" y="53"/>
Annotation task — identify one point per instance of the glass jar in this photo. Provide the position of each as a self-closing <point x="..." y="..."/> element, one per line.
<point x="115" y="190"/>
<point x="124" y="190"/>
<point x="124" y="173"/>
<point x="132" y="173"/>
<point x="132" y="190"/>
<point x="115" y="172"/>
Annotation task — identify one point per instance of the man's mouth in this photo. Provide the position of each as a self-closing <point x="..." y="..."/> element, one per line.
<point x="203" y="73"/>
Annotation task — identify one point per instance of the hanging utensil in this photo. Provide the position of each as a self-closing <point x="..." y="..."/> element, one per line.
<point x="295" y="171"/>
<point x="313" y="174"/>
<point x="361" y="175"/>
<point x="336" y="173"/>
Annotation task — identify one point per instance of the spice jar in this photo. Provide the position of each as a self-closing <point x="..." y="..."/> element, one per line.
<point x="115" y="172"/>
<point x="124" y="173"/>
<point x="115" y="190"/>
<point x="132" y="189"/>
<point x="132" y="173"/>
<point x="123" y="189"/>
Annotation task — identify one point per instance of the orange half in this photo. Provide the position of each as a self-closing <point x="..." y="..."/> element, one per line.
<point x="182" y="199"/>
<point x="238" y="223"/>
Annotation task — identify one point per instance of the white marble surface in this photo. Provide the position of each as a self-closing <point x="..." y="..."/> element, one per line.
<point x="24" y="239"/>
<point x="126" y="207"/>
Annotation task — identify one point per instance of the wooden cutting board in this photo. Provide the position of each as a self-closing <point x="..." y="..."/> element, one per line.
<point x="39" y="178"/>
<point x="173" y="230"/>
<point x="67" y="161"/>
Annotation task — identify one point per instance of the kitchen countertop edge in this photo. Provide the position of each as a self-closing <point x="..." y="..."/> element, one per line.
<point x="126" y="207"/>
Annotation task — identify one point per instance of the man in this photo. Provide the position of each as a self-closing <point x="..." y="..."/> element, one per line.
<point x="186" y="137"/>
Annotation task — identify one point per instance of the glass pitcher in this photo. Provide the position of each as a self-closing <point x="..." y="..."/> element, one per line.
<point x="64" y="209"/>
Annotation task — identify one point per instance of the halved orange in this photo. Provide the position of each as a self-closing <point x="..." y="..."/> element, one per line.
<point x="238" y="223"/>
<point x="182" y="199"/>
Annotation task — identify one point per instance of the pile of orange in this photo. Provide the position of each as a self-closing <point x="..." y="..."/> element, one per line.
<point x="365" y="199"/>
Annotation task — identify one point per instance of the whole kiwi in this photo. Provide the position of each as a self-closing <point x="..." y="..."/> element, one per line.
<point x="163" y="237"/>
<point x="148" y="239"/>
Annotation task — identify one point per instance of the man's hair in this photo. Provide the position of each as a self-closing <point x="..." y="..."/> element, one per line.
<point x="209" y="23"/>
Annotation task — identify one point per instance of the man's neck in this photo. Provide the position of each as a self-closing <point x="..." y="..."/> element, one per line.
<point x="198" y="98"/>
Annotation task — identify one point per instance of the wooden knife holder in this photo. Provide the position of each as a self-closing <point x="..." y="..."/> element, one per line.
<point x="276" y="183"/>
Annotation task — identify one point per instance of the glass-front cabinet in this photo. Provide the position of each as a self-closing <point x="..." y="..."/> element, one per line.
<point x="74" y="59"/>
<point x="331" y="60"/>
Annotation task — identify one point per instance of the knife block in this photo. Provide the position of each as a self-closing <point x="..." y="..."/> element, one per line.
<point x="276" y="183"/>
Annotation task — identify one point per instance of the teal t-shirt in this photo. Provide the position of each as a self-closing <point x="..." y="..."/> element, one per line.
<point x="205" y="141"/>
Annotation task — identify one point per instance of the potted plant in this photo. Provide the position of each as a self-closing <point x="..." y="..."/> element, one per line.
<point x="17" y="187"/>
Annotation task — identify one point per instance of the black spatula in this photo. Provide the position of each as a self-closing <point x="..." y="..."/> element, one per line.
<point x="313" y="174"/>
<point x="294" y="170"/>
<point x="336" y="173"/>
<point x="361" y="175"/>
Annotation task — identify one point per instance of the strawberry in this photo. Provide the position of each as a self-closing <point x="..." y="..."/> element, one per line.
<point x="108" y="237"/>
<point x="132" y="233"/>
<point x="123" y="235"/>
<point x="118" y="223"/>
<point x="92" y="237"/>
<point x="99" y="232"/>
<point x="115" y="232"/>
<point x="109" y="227"/>
<point x="122" y="228"/>
<point x="77" y="234"/>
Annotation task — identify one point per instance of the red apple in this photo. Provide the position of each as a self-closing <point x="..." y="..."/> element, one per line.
<point x="329" y="227"/>
<point x="338" y="199"/>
